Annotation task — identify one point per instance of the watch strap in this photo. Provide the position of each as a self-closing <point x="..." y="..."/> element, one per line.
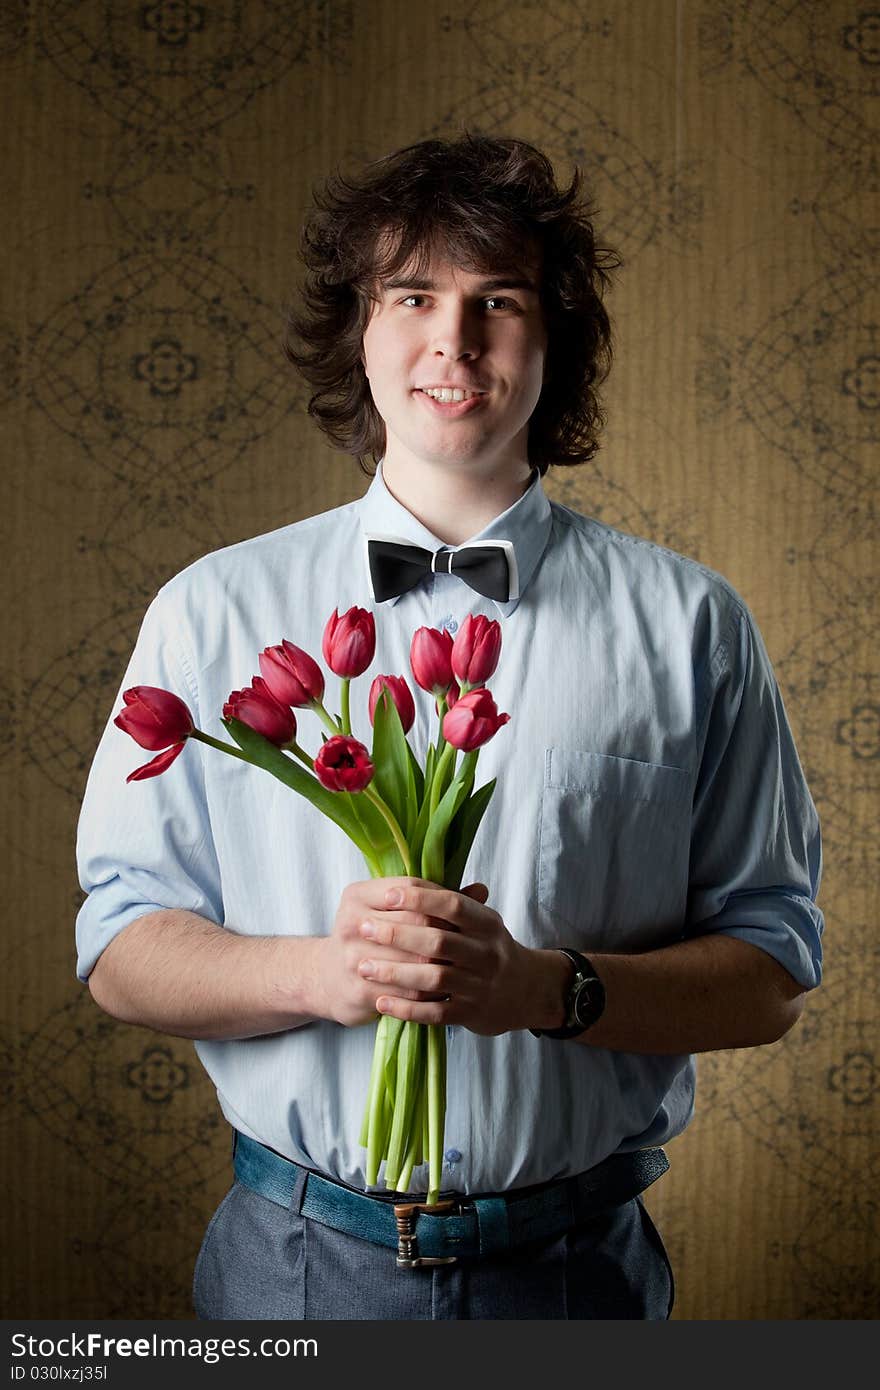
<point x="583" y="970"/>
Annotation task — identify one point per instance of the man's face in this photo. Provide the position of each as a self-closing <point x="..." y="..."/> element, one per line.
<point x="454" y="329"/>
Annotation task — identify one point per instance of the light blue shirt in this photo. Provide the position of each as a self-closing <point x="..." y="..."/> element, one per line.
<point x="648" y="789"/>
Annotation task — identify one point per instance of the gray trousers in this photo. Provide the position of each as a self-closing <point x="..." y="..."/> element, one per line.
<point x="261" y="1260"/>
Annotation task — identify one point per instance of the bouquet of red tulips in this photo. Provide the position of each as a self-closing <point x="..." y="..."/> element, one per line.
<point x="405" y="819"/>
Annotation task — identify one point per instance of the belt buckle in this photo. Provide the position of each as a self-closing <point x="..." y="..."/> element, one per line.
<point x="406" y="1215"/>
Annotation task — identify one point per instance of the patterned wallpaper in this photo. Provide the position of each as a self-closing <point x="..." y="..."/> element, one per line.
<point x="156" y="163"/>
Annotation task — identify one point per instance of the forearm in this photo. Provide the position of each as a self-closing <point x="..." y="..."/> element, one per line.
<point x="182" y="974"/>
<point x="700" y="995"/>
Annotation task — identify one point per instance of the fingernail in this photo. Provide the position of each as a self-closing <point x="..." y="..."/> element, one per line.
<point x="366" y="967"/>
<point x="368" y="930"/>
<point x="393" y="897"/>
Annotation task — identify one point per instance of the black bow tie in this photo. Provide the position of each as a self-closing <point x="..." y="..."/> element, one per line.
<point x="395" y="567"/>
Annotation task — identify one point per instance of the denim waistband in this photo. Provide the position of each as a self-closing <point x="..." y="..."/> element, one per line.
<point x="477" y="1225"/>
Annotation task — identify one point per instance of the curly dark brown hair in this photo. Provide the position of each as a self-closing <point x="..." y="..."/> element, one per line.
<point x="485" y="203"/>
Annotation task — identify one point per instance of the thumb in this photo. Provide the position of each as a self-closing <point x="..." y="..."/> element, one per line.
<point x="478" y="891"/>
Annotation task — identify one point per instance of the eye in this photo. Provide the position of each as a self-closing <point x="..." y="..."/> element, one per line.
<point x="411" y="297"/>
<point x="499" y="302"/>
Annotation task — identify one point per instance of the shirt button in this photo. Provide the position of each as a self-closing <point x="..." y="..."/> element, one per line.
<point x="452" y="1156"/>
<point x="448" y="623"/>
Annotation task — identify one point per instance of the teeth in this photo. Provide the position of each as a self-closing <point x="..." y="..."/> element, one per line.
<point x="447" y="393"/>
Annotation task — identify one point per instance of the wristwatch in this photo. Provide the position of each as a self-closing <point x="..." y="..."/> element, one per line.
<point x="584" y="1000"/>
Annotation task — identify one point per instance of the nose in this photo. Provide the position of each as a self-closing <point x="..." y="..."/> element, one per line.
<point x="457" y="333"/>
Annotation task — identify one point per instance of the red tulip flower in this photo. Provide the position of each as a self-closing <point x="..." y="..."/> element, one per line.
<point x="293" y="677"/>
<point x="476" y="648"/>
<point x="430" y="656"/>
<point x="154" y="718"/>
<point x="343" y="765"/>
<point x="473" y="720"/>
<point x="401" y="695"/>
<point x="257" y="707"/>
<point x="349" y="643"/>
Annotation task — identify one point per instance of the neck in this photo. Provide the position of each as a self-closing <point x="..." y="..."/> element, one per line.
<point x="454" y="504"/>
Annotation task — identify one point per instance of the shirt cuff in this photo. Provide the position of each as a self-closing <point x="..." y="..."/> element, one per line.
<point x="787" y="925"/>
<point x="115" y="903"/>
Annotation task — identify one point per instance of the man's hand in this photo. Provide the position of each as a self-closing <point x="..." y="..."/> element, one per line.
<point x="444" y="957"/>
<point x="343" y="992"/>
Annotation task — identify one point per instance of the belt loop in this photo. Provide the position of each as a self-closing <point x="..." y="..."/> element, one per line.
<point x="300" y="1182"/>
<point x="493" y="1225"/>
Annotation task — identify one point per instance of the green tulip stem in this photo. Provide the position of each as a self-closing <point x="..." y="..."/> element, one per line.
<point x="224" y="747"/>
<point x="346" y="705"/>
<point x="334" y="725"/>
<point x="399" y="837"/>
<point x="376" y="1138"/>
<point x="301" y="753"/>
<point x="406" y="1089"/>
<point x="447" y="757"/>
<point x="415" y="1105"/>
<point x="442" y="707"/>
<point x="292" y="747"/>
<point x="376" y="1079"/>
<point x="436" y="1107"/>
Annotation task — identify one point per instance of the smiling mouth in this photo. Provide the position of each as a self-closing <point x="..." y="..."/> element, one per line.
<point x="449" y="393"/>
<point x="446" y="405"/>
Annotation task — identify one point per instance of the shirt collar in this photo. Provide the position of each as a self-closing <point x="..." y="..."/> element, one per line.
<point x="527" y="524"/>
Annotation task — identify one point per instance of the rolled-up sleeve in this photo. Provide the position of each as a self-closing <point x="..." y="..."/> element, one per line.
<point x="756" y="854"/>
<point x="144" y="845"/>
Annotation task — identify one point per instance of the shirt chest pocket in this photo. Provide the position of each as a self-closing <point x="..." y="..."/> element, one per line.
<point x="614" y="847"/>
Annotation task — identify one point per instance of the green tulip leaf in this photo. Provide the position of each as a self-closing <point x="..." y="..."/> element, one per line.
<point x="416" y="836"/>
<point x="385" y="850"/>
<point x="430" y="794"/>
<point x="445" y="771"/>
<point x="419" y="780"/>
<point x="270" y="758"/>
<point x="429" y="770"/>
<point x="394" y="779"/>
<point x="460" y="835"/>
<point x="433" y="851"/>
<point x="351" y="811"/>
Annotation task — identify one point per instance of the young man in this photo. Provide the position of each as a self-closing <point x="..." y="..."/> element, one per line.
<point x="645" y="879"/>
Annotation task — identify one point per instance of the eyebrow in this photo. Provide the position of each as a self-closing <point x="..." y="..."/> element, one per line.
<point x="498" y="282"/>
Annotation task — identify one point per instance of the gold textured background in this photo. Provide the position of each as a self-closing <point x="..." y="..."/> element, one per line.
<point x="156" y="163"/>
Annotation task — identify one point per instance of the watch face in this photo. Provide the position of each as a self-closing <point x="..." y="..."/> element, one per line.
<point x="588" y="1001"/>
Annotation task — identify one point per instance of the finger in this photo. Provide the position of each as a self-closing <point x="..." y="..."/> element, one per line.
<point x="478" y="891"/>
<point x="441" y="906"/>
<point x="379" y="895"/>
<point x="434" y="978"/>
<point x="387" y="892"/>
<point x="419" y="996"/>
<point x="414" y="919"/>
<point x="435" y="943"/>
<point x="376" y="952"/>
<point x="418" y="897"/>
<point x="392" y="893"/>
<point x="413" y="1011"/>
<point x="372" y="895"/>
